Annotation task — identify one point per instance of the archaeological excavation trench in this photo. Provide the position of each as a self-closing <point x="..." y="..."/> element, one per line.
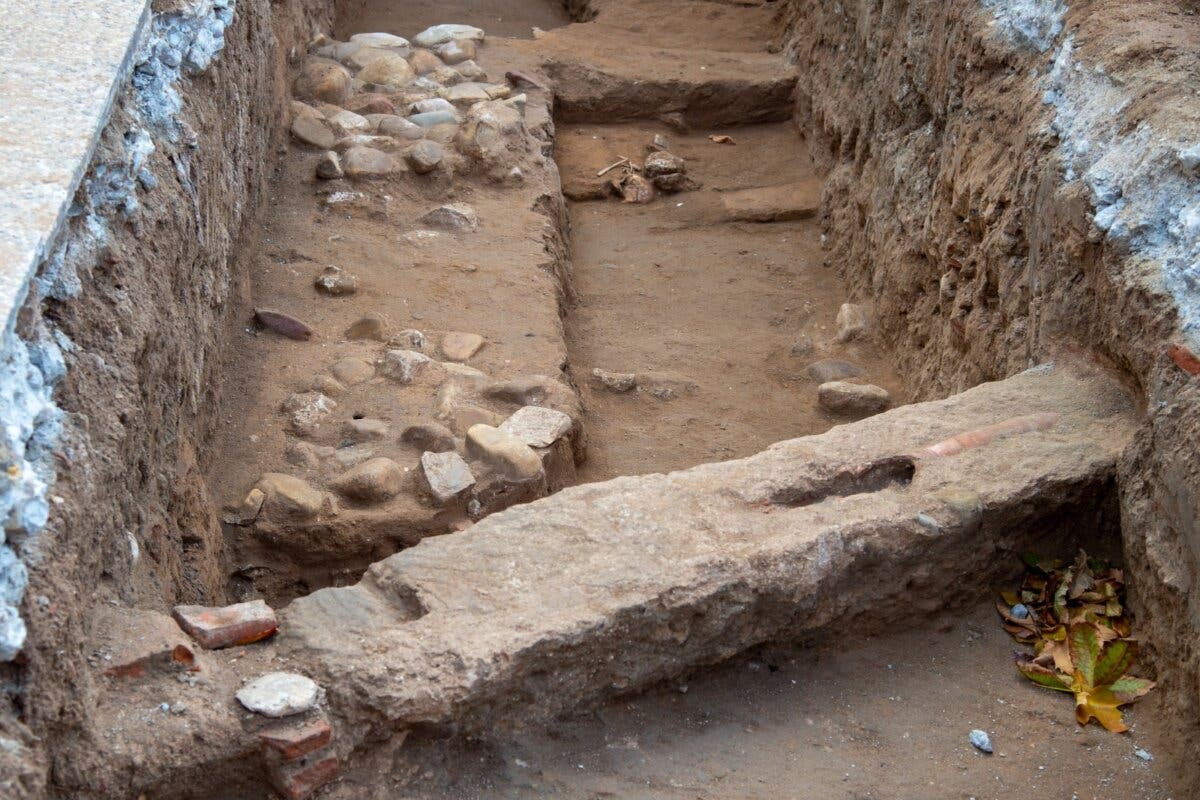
<point x="611" y="398"/>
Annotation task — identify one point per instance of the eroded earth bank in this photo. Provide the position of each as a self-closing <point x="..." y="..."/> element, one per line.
<point x="615" y="399"/>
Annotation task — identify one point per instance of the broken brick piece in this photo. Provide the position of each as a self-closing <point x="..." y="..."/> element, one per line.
<point x="1185" y="359"/>
<point x="981" y="436"/>
<point x="298" y="779"/>
<point x="135" y="642"/>
<point x="295" y="739"/>
<point x="214" y="628"/>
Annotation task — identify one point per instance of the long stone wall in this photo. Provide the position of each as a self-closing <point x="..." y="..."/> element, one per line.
<point x="1012" y="179"/>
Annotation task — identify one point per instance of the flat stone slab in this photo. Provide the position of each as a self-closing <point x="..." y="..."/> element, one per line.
<point x="773" y="203"/>
<point x="279" y="694"/>
<point x="81" y="52"/>
<point x="615" y="586"/>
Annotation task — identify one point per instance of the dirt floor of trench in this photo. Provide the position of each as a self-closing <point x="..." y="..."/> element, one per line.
<point x="884" y="718"/>
<point x="728" y="313"/>
<point x="732" y="310"/>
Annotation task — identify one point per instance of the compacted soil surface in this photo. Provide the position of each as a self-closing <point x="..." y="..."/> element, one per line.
<point x="886" y="718"/>
<point x="734" y="310"/>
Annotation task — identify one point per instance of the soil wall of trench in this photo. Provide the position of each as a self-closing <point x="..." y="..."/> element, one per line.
<point x="951" y="205"/>
<point x="150" y="255"/>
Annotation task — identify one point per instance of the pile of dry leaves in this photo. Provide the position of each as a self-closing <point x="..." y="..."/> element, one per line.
<point x="1073" y="616"/>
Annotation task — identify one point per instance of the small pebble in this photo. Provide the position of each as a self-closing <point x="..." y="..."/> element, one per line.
<point x="1143" y="754"/>
<point x="329" y="167"/>
<point x="981" y="741"/>
<point x="335" y="282"/>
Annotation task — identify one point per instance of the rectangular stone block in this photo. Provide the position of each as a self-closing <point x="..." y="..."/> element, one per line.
<point x="773" y="203"/>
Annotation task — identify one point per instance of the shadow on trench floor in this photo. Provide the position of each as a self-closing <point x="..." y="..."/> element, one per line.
<point x="881" y="718"/>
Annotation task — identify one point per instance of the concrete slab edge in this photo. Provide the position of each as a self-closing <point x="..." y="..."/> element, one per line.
<point x="34" y="216"/>
<point x="142" y="57"/>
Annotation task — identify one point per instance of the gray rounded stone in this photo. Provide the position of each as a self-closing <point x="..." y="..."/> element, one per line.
<point x="859" y="399"/>
<point x="424" y="156"/>
<point x="313" y="131"/>
<point x="330" y="166"/>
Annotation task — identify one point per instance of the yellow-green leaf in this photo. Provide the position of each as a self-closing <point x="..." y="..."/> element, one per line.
<point x="1115" y="660"/>
<point x="1085" y="649"/>
<point x="1102" y="705"/>
<point x="1043" y="676"/>
<point x="1129" y="689"/>
<point x="1060" y="653"/>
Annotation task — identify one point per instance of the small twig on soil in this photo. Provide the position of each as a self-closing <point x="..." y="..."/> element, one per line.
<point x="612" y="166"/>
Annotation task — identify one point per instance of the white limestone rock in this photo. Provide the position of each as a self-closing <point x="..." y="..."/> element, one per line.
<point x="448" y="32"/>
<point x="279" y="694"/>
<point x="537" y="426"/>
<point x="446" y="475"/>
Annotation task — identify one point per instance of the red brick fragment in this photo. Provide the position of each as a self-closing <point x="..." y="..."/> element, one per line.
<point x="136" y="642"/>
<point x="232" y="625"/>
<point x="284" y="324"/>
<point x="1185" y="359"/>
<point x="981" y="436"/>
<point x="298" y="779"/>
<point x="295" y="739"/>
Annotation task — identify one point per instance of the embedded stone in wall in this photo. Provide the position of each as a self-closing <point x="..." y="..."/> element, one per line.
<point x="851" y="322"/>
<point x="537" y="426"/>
<point x="374" y="480"/>
<point x="217" y="627"/>
<point x="279" y="694"/>
<point x="503" y="452"/>
<point x="446" y="475"/>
